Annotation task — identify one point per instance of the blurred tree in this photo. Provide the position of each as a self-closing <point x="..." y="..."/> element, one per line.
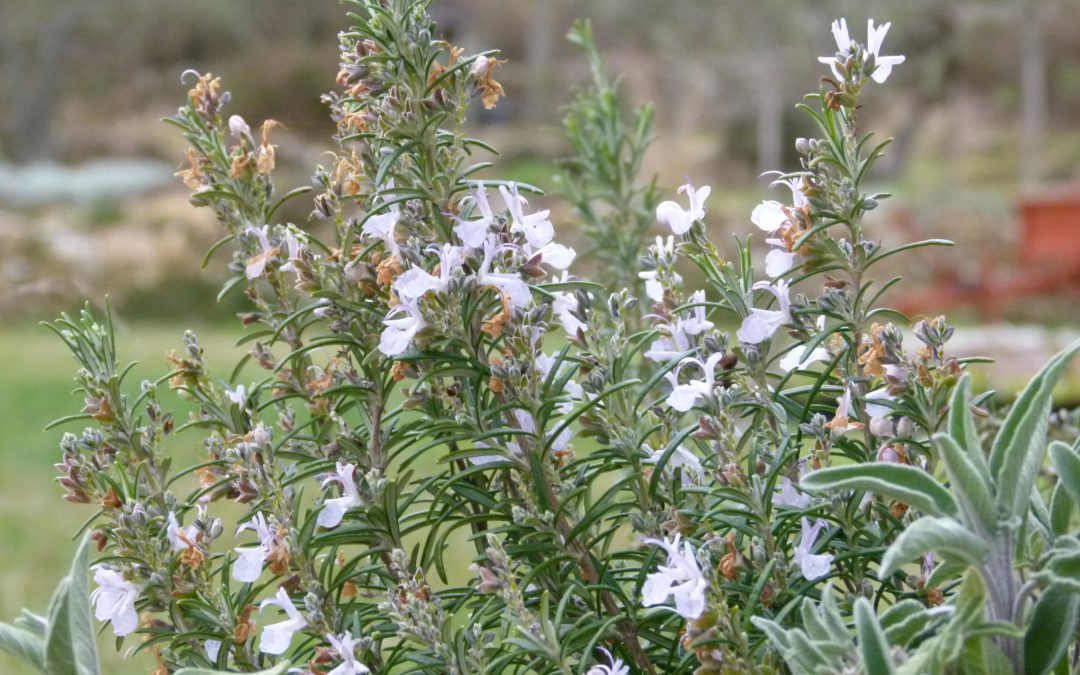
<point x="37" y="70"/>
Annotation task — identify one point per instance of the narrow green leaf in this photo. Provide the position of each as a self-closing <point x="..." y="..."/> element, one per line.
<point x="941" y="535"/>
<point x="872" y="643"/>
<point x="1050" y="630"/>
<point x="903" y="483"/>
<point x="1018" y="448"/>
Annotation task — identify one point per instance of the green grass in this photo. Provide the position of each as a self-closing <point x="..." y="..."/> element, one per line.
<point x="36" y="525"/>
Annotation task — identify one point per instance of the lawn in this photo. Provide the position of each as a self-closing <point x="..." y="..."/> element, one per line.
<point x="36" y="526"/>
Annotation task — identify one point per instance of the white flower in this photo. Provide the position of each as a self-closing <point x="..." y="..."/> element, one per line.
<point x="798" y="358"/>
<point x="276" y="637"/>
<point x="812" y="566"/>
<point x="677" y="218"/>
<point x="400" y="331"/>
<point x="795" y="184"/>
<point x="769" y="216"/>
<point x="381" y="226"/>
<point x="843" y="46"/>
<point x="841" y="422"/>
<point x="680" y="331"/>
<point x="334" y="509"/>
<point x="544" y="364"/>
<point x="345" y="646"/>
<point x="696" y="323"/>
<point x="556" y="255"/>
<point x="212" y="648"/>
<point x="249" y="561"/>
<point x="653" y="288"/>
<point x="683" y="397"/>
<point x="240" y="129"/>
<point x="256" y="264"/>
<point x="787" y="497"/>
<point x="415" y="282"/>
<point x="663" y="350"/>
<point x="536" y="227"/>
<point x="778" y="261"/>
<point x="238" y="395"/>
<point x="617" y="667"/>
<point x="261" y="434"/>
<point x="874" y="38"/>
<point x="564" y="306"/>
<point x="473" y="233"/>
<point x="293" y="245"/>
<point x="680" y="578"/>
<point x="665" y="255"/>
<point x="878" y="409"/>
<point x="527" y="424"/>
<point x="114" y="600"/>
<point x="761" y="324"/>
<point x="665" y="249"/>
<point x="681" y="458"/>
<point x="180" y="539"/>
<point x="511" y="286"/>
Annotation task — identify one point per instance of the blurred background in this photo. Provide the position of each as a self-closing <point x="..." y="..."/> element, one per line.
<point x="987" y="153"/>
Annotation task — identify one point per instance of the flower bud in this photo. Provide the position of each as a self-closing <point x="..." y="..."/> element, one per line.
<point x="905" y="428"/>
<point x="881" y="427"/>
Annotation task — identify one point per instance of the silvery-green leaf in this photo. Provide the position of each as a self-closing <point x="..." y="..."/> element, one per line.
<point x="1061" y="510"/>
<point x="1050" y="630"/>
<point x="1066" y="462"/>
<point x="903" y="483"/>
<point x="904" y="620"/>
<point x="962" y="426"/>
<point x="23" y="645"/>
<point x="972" y="490"/>
<point x="945" y="536"/>
<point x="872" y="643"/>
<point x="80" y="618"/>
<point x="1018" y="448"/>
<point x="59" y="655"/>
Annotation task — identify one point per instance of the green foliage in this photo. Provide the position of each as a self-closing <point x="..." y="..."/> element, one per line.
<point x="408" y="403"/>
<point x="601" y="179"/>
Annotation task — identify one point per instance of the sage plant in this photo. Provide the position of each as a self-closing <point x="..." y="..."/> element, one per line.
<point x="454" y="456"/>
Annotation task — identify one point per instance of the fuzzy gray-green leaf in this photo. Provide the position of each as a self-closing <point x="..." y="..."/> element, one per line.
<point x="903" y="483"/>
<point x="872" y="643"/>
<point x="1018" y="448"/>
<point x="962" y="426"/>
<point x="1050" y="630"/>
<point x="1067" y="464"/>
<point x="969" y="484"/>
<point x="23" y="645"/>
<point x="941" y="535"/>
<point x="59" y="653"/>
<point x="81" y="621"/>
